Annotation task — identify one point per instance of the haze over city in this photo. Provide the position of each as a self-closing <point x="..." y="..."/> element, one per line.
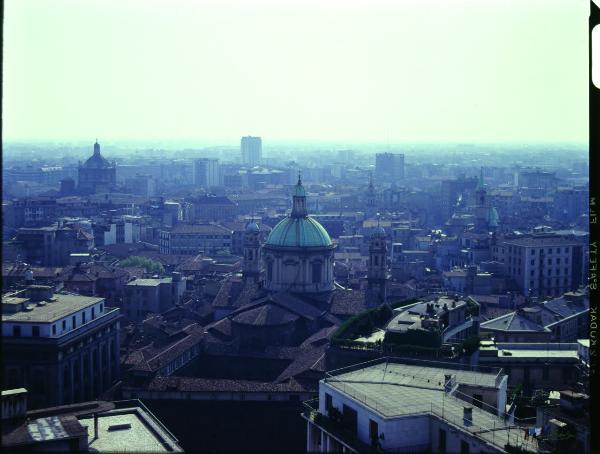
<point x="341" y="71"/>
<point x="296" y="226"/>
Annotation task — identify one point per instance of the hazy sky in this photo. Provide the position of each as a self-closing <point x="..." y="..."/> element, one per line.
<point x="386" y="71"/>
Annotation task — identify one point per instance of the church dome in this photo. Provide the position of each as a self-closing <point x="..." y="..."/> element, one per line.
<point x="298" y="253"/>
<point x="97" y="161"/>
<point x="299" y="232"/>
<point x="252" y="227"/>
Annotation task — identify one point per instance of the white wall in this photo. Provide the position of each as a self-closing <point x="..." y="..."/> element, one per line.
<point x="454" y="437"/>
<point x="46" y="328"/>
<point x="408" y="432"/>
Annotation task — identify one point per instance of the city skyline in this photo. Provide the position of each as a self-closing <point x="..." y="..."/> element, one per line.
<point x="349" y="72"/>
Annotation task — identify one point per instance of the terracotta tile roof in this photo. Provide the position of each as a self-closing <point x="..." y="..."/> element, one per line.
<point x="348" y="302"/>
<point x="265" y="315"/>
<point x="305" y="361"/>
<point x="223" y="385"/>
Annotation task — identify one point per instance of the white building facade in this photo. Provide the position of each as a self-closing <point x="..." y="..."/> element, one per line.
<point x="387" y="406"/>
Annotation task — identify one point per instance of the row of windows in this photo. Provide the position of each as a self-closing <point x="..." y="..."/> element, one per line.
<point x="550" y="262"/>
<point x="35" y="330"/>
<point x="549" y="280"/>
<point x="199" y="237"/>
<point x="549" y="272"/>
<point x="533" y="251"/>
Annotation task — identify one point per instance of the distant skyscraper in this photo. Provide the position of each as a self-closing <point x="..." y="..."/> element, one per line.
<point x="389" y="166"/>
<point x="206" y="172"/>
<point x="251" y="148"/>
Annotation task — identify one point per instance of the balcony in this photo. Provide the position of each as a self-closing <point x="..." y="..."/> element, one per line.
<point x="335" y="429"/>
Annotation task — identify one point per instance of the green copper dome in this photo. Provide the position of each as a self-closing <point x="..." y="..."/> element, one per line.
<point x="299" y="232"/>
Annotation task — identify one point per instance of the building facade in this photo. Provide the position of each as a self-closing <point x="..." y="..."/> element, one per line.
<point x="145" y="296"/>
<point x="251" y="149"/>
<point x="388" y="406"/>
<point x="194" y="239"/>
<point x="541" y="265"/>
<point x="63" y="348"/>
<point x="207" y="172"/>
<point x="389" y="167"/>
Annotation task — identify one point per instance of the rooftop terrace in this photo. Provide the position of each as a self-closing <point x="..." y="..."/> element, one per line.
<point x="61" y="305"/>
<point x="394" y="389"/>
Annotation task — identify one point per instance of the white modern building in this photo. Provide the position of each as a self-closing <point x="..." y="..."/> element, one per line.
<point x="207" y="172"/>
<point x="251" y="148"/>
<point x="391" y="406"/>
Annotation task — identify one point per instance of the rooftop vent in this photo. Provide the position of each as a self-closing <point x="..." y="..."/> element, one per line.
<point x="468" y="416"/>
<point x="119" y="427"/>
<point x="39" y="292"/>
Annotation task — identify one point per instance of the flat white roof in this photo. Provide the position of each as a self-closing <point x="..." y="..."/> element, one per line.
<point x="396" y="390"/>
<point x="142" y="435"/>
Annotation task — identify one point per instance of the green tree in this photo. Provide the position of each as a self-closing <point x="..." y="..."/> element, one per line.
<point x="151" y="266"/>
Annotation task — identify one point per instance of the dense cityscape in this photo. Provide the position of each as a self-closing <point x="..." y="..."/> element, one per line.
<point x="342" y="226"/>
<point x="333" y="298"/>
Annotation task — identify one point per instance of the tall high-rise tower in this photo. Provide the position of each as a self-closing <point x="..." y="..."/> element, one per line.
<point x="207" y="172"/>
<point x="389" y="167"/>
<point x="251" y="148"/>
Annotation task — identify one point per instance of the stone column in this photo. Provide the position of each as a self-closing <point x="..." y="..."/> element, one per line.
<point x="79" y="378"/>
<point x="116" y="359"/>
<point x="308" y="437"/>
<point x="100" y="370"/>
<point x="72" y="373"/>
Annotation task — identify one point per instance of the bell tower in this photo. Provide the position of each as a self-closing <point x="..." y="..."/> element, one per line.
<point x="251" y="268"/>
<point x="481" y="208"/>
<point x="371" y="198"/>
<point x="377" y="273"/>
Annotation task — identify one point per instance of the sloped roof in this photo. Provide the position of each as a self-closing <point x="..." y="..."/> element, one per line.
<point x="307" y="360"/>
<point x="513" y="322"/>
<point x="265" y="315"/>
<point x="348" y="302"/>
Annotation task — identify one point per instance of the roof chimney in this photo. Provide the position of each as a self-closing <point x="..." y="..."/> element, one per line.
<point x="468" y="416"/>
<point x="39" y="293"/>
